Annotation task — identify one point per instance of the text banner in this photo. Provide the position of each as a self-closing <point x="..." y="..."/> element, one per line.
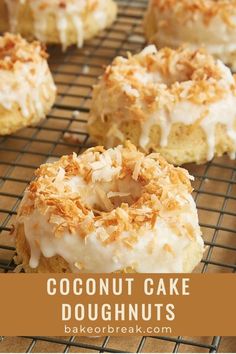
<point x="119" y="305"/>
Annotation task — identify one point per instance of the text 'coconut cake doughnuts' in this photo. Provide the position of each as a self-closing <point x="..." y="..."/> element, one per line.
<point x="27" y="90"/>
<point x="113" y="210"/>
<point x="181" y="103"/>
<point x="63" y="22"/>
<point x="200" y="23"/>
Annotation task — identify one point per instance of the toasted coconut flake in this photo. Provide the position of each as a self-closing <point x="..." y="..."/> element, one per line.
<point x="18" y="268"/>
<point x="168" y="249"/>
<point x="79" y="265"/>
<point x="137" y="169"/>
<point x="60" y="176"/>
<point x="117" y="194"/>
<point x="104" y="199"/>
<point x="190" y="231"/>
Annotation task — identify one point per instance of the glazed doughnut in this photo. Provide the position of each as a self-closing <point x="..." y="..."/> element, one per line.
<point x="113" y="210"/>
<point x="27" y="90"/>
<point x="181" y="103"/>
<point x="200" y="23"/>
<point x="60" y="21"/>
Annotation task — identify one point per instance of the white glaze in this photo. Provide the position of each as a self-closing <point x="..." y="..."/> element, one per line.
<point x="187" y="113"/>
<point x="64" y="16"/>
<point x="95" y="257"/>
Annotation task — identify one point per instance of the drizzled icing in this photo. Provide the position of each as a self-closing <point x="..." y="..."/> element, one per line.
<point x="157" y="89"/>
<point x="13" y="8"/>
<point x="65" y="12"/>
<point x="90" y="255"/>
<point x="223" y="112"/>
<point x="72" y="210"/>
<point x="25" y="76"/>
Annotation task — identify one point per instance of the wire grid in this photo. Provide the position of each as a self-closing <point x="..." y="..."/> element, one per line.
<point x="64" y="132"/>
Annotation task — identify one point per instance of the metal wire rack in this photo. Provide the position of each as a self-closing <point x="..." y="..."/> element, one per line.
<point x="63" y="132"/>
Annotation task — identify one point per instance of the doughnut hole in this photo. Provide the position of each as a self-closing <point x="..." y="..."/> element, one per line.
<point x="106" y="196"/>
<point x="181" y="72"/>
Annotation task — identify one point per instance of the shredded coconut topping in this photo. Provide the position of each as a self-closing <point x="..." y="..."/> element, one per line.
<point x="167" y="76"/>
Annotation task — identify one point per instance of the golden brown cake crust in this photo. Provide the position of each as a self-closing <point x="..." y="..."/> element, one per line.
<point x="54" y="264"/>
<point x="186" y="144"/>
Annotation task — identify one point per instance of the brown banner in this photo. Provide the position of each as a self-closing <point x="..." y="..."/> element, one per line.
<point x="112" y="304"/>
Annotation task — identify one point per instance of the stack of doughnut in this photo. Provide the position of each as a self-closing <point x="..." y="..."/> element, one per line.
<point x="200" y="23"/>
<point x="181" y="103"/>
<point x="27" y="90"/>
<point x="57" y="21"/>
<point x="113" y="210"/>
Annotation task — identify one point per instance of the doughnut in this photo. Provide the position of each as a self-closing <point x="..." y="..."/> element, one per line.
<point x="27" y="90"/>
<point x="200" y="23"/>
<point x="115" y="210"/>
<point x="63" y="22"/>
<point x="180" y="103"/>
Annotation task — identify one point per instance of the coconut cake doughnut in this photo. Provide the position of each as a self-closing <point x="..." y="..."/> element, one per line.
<point x="113" y="210"/>
<point x="181" y="103"/>
<point x="27" y="90"/>
<point x="64" y="22"/>
<point x="199" y="23"/>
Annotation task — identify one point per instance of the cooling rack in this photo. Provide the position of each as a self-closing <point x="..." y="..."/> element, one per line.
<point x="63" y="132"/>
